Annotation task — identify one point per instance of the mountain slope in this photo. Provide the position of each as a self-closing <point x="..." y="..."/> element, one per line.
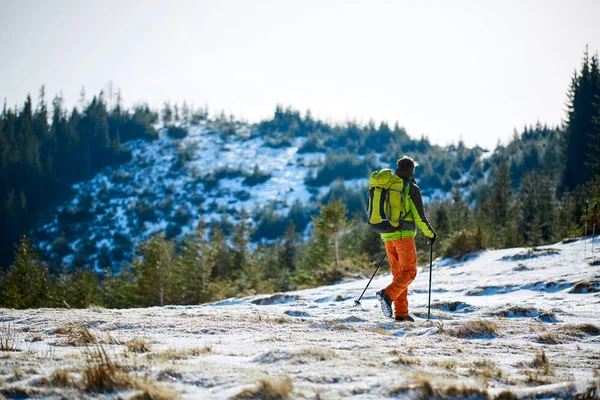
<point x="518" y="321"/>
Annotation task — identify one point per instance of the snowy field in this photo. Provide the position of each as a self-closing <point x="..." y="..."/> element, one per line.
<point x="506" y="324"/>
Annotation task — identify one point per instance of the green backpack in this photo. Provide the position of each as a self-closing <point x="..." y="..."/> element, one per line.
<point x="387" y="205"/>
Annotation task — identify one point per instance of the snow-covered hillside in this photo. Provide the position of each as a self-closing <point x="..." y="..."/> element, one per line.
<point x="516" y="323"/>
<point x="167" y="188"/>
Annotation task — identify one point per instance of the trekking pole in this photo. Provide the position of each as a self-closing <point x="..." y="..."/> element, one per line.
<point x="595" y="222"/>
<point x="587" y="203"/>
<point x="357" y="302"/>
<point x="430" y="268"/>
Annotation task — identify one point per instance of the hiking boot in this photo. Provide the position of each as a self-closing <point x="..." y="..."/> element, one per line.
<point x="386" y="303"/>
<point x="404" y="318"/>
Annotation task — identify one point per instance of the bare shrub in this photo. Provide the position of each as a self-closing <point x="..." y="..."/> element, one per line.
<point x="138" y="345"/>
<point x="10" y="338"/>
<point x="268" y="390"/>
<point x="477" y="328"/>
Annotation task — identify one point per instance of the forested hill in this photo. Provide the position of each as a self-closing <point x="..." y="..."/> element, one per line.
<point x="95" y="183"/>
<point x="105" y="189"/>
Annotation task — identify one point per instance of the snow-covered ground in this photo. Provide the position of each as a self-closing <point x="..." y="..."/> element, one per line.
<point x="514" y="322"/>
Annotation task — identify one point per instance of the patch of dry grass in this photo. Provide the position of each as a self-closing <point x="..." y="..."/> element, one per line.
<point x="76" y="335"/>
<point x="587" y="329"/>
<point x="102" y="375"/>
<point x="10" y="338"/>
<point x="549" y="338"/>
<point x="318" y="353"/>
<point x="138" y="345"/>
<point x="446" y="364"/>
<point x="274" y="321"/>
<point x="475" y="328"/>
<point x="198" y="351"/>
<point x="178" y="354"/>
<point x="268" y="390"/>
<point x="540" y="361"/>
<point x="379" y="331"/>
<point x="60" y="378"/>
<point x="401" y="360"/>
<point x="486" y="369"/>
<point x="423" y="389"/>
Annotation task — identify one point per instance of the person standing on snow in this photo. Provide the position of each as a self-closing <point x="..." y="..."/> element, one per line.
<point x="400" y="247"/>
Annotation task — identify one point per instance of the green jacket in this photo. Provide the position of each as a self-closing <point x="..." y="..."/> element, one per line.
<point x="416" y="217"/>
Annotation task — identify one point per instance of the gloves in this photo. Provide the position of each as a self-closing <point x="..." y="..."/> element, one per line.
<point x="431" y="240"/>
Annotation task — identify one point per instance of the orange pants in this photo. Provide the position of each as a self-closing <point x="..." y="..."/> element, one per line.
<point x="402" y="256"/>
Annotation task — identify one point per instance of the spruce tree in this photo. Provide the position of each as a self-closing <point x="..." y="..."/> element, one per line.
<point x="332" y="222"/>
<point x="582" y="124"/>
<point x="154" y="271"/>
<point x="27" y="281"/>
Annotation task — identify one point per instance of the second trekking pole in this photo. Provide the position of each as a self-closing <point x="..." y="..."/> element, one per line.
<point x="430" y="269"/>
<point x="357" y="302"/>
<point x="585" y="232"/>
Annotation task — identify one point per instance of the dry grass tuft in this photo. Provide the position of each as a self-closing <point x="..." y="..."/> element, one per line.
<point x="10" y="337"/>
<point x="178" y="354"/>
<point x="275" y="321"/>
<point x="588" y="329"/>
<point x="541" y="361"/>
<point x="103" y="375"/>
<point x="549" y="338"/>
<point x="446" y="364"/>
<point x="197" y="351"/>
<point x="423" y="389"/>
<point x="379" y="331"/>
<point x="406" y="361"/>
<point x="60" y="378"/>
<point x="318" y="353"/>
<point x="477" y="328"/>
<point x="268" y="390"/>
<point x="38" y="337"/>
<point x="77" y="335"/>
<point x="138" y="345"/>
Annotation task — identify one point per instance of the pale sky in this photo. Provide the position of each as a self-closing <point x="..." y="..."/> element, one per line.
<point x="446" y="69"/>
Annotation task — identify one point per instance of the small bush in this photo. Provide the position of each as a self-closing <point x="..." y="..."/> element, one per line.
<point x="271" y="390"/>
<point x="464" y="242"/>
<point x="177" y="132"/>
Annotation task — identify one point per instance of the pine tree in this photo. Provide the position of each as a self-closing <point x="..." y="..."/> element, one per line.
<point x="332" y="222"/>
<point x="154" y="271"/>
<point x="27" y="281"/>
<point x="197" y="262"/>
<point x="501" y="195"/>
<point x="582" y="124"/>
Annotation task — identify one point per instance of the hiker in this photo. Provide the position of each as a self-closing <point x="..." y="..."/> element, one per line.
<point x="400" y="245"/>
